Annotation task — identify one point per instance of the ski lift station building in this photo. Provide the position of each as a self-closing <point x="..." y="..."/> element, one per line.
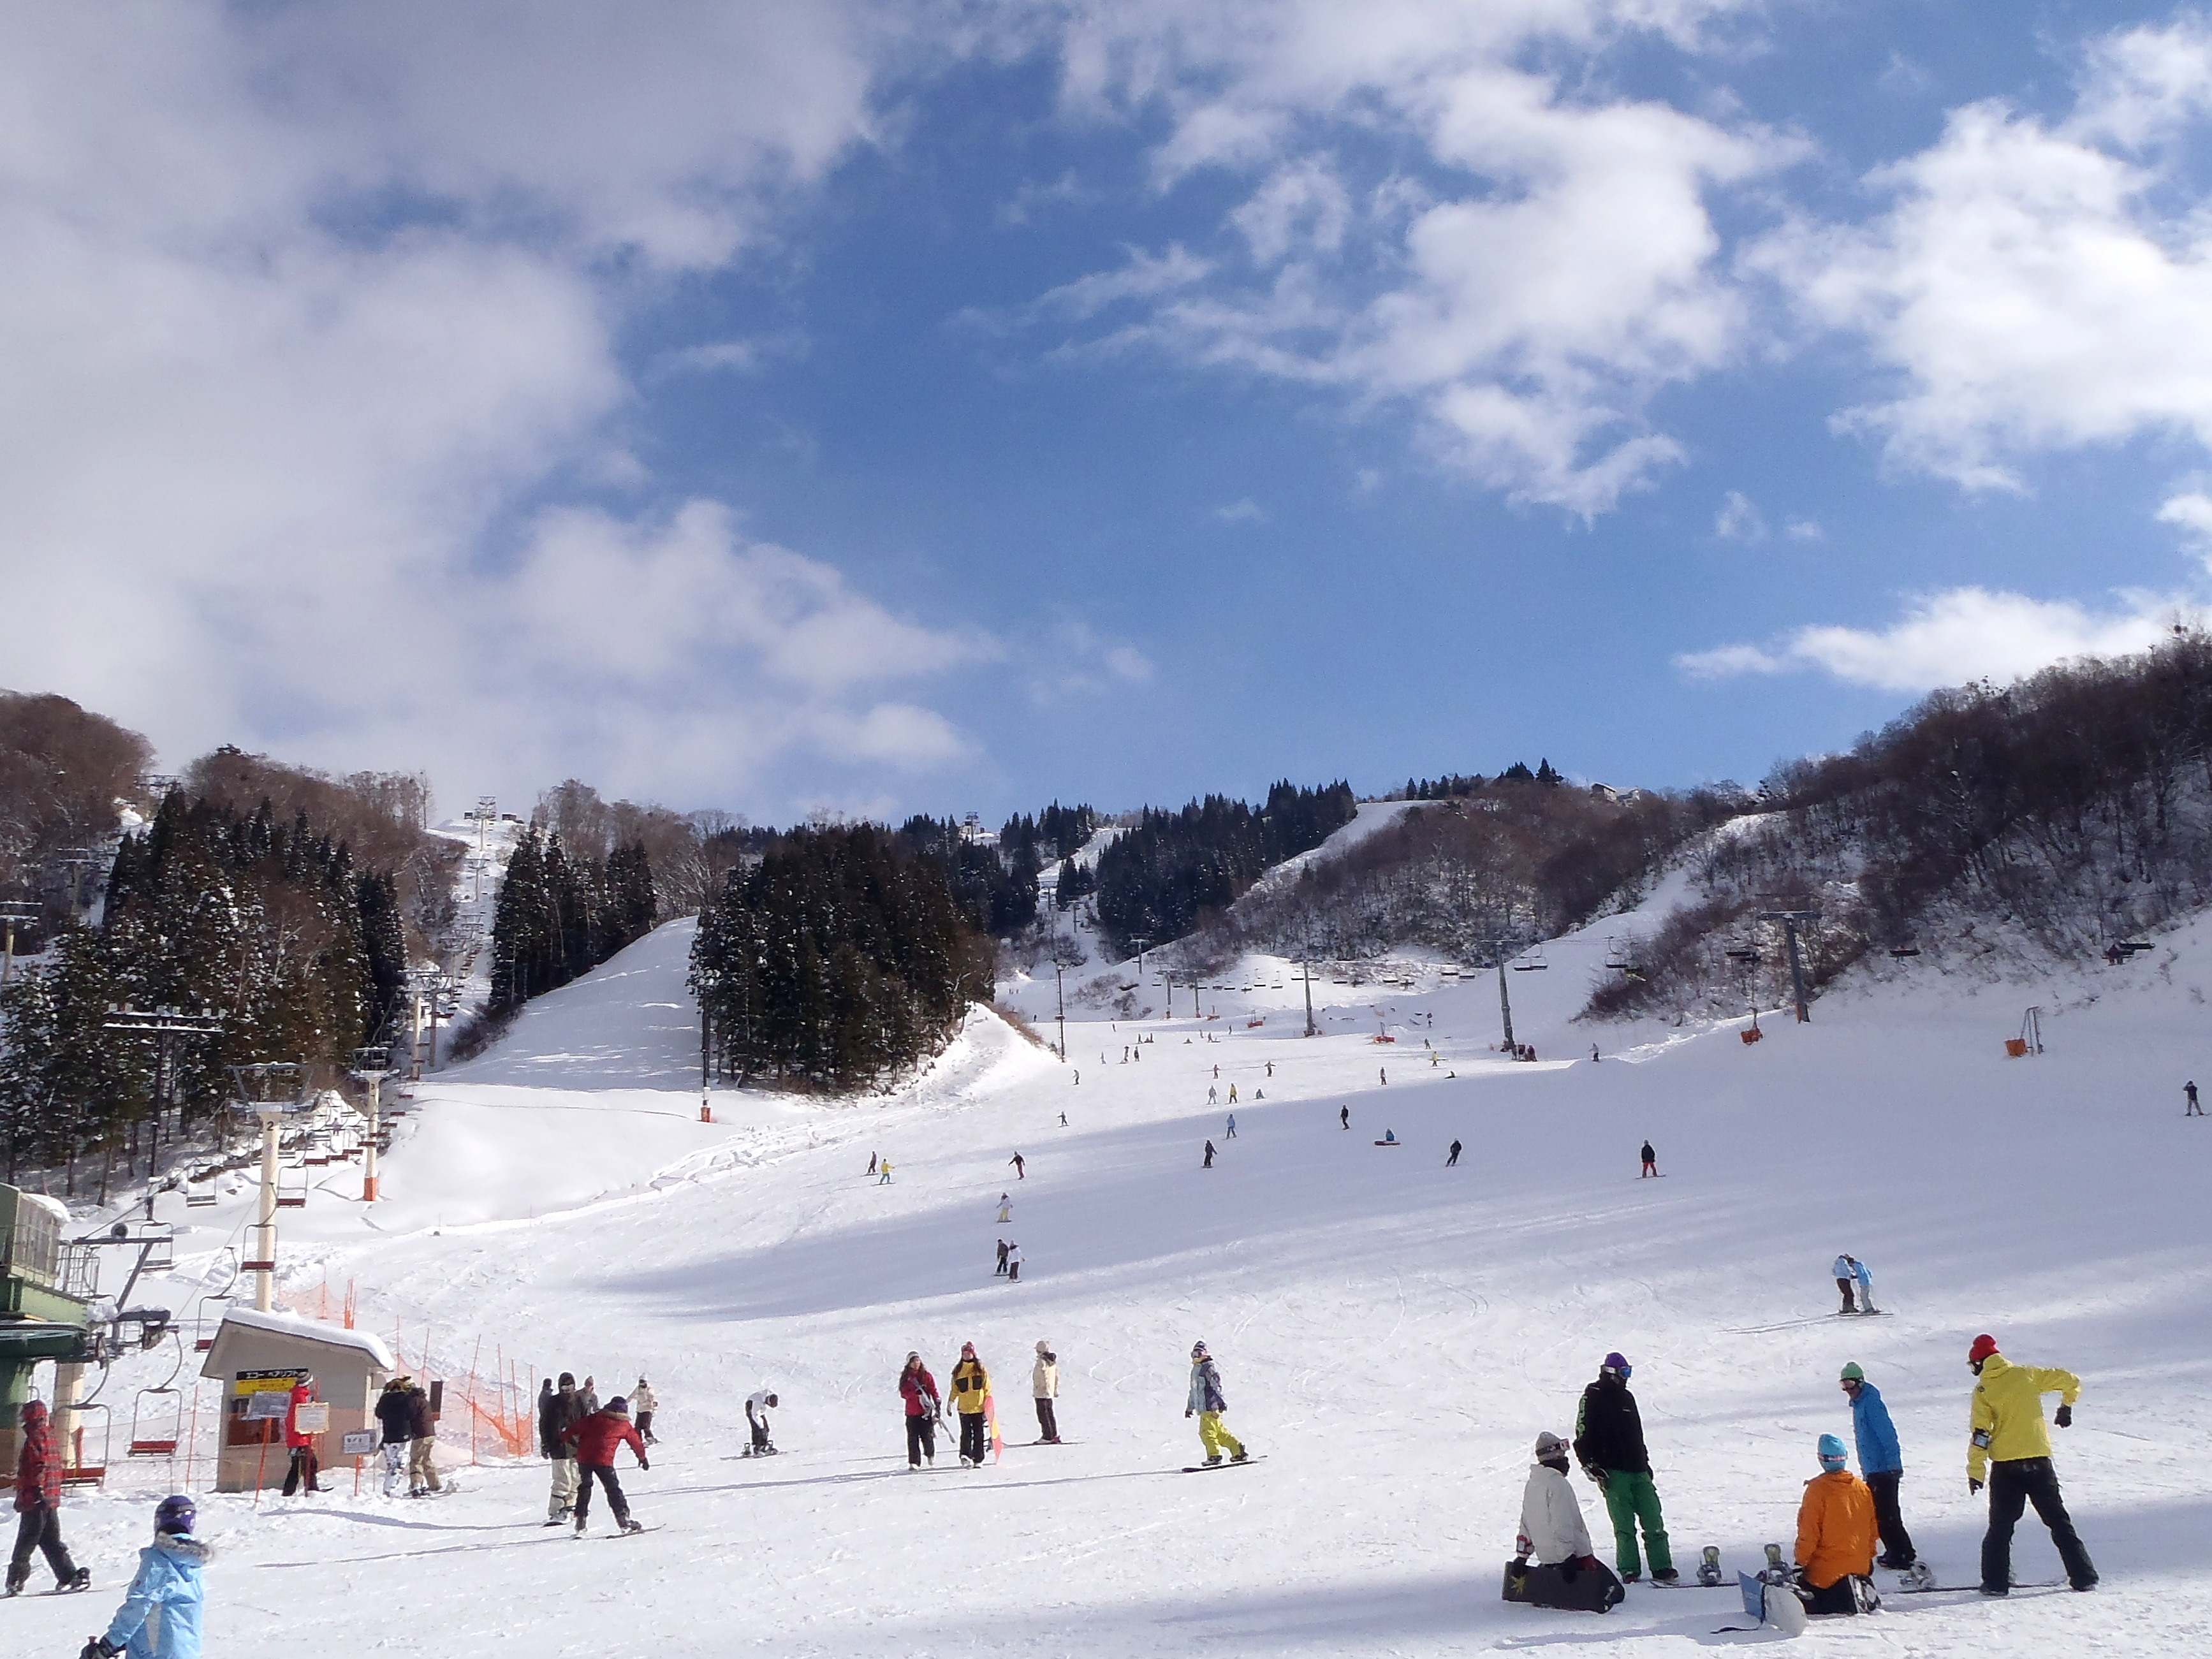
<point x="40" y="1318"/>
<point x="262" y="1354"/>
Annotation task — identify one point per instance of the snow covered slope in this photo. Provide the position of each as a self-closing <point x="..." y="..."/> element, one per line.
<point x="1392" y="1334"/>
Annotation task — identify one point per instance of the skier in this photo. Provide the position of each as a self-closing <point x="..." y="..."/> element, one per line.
<point x="1231" y="1134"/>
<point x="1005" y="1209"/>
<point x="1609" y="1445"/>
<point x="1044" y="1386"/>
<point x="1452" y="1163"/>
<point x="1847" y="1278"/>
<point x="304" y="1468"/>
<point x="1209" y="1157"/>
<point x="2190" y="1090"/>
<point x="1881" y="1465"/>
<point x="884" y="1176"/>
<point x="643" y="1402"/>
<point x="1651" y="1161"/>
<point x="2011" y="1446"/>
<point x="1013" y="1264"/>
<point x="423" y="1444"/>
<point x="1271" y="1068"/>
<point x="1835" y="1533"/>
<point x="1383" y="1072"/>
<point x="596" y="1438"/>
<point x="1233" y="1097"/>
<point x="758" y="1404"/>
<point x="160" y="1618"/>
<point x="1344" y="1116"/>
<point x="1207" y="1402"/>
<point x="395" y="1417"/>
<point x="971" y="1387"/>
<point x="1863" y="1276"/>
<point x="872" y="1164"/>
<point x="556" y="1413"/>
<point x="923" y="1409"/>
<point x="1593" y="1054"/>
<point x="1566" y="1574"/>
<point x="39" y="1503"/>
<point x="1213" y="1096"/>
<point x="1001" y="1267"/>
<point x="1020" y="1173"/>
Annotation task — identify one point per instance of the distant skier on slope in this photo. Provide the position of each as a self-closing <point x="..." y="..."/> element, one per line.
<point x="758" y="1404"/>
<point x="597" y="1437"/>
<point x="1013" y="1264"/>
<point x="643" y="1402"/>
<point x="923" y="1410"/>
<point x="1233" y="1097"/>
<point x="2011" y="1446"/>
<point x="1881" y="1466"/>
<point x="1006" y="1209"/>
<point x="1044" y="1388"/>
<point x="1021" y="1170"/>
<point x="1835" y="1533"/>
<point x="1344" y="1115"/>
<point x="1847" y="1279"/>
<point x="1231" y="1132"/>
<point x="1609" y="1445"/>
<point x="1863" y="1276"/>
<point x="884" y="1178"/>
<point x="1209" y="1157"/>
<point x="422" y="1444"/>
<point x="971" y="1387"/>
<point x="1207" y="1402"/>
<point x="2189" y="1089"/>
<point x="1650" y="1161"/>
<point x="1452" y="1162"/>
<point x="1000" y="1269"/>
<point x="160" y="1618"/>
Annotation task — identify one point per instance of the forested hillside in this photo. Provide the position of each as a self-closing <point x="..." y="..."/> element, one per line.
<point x="1162" y="879"/>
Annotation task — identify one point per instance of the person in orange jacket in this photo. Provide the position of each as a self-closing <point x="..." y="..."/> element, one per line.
<point x="1835" y="1533"/>
<point x="306" y="1468"/>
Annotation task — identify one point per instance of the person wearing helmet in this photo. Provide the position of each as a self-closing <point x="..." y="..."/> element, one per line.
<point x="160" y="1618"/>
<point x="1207" y="1402"/>
<point x="1609" y="1445"/>
<point x="39" y="1503"/>
<point x="1881" y="1466"/>
<point x="1835" y="1533"/>
<point x="971" y="1389"/>
<point x="2011" y="1448"/>
<point x="923" y="1410"/>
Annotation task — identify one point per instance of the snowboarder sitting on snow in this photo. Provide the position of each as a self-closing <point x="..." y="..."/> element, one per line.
<point x="1835" y="1533"/>
<point x="1881" y="1465"/>
<point x="596" y="1438"/>
<point x="2012" y="1447"/>
<point x="1609" y="1445"/>
<point x="757" y="1404"/>
<point x="923" y="1409"/>
<point x="1208" y="1402"/>
<point x="1552" y="1530"/>
<point x="1847" y="1279"/>
<point x="1044" y="1386"/>
<point x="971" y="1387"/>
<point x="160" y="1618"/>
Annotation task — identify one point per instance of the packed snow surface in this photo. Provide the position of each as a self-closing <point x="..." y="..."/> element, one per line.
<point x="1392" y="1334"/>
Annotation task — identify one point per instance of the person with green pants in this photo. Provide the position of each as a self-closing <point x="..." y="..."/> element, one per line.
<point x="1609" y="1445"/>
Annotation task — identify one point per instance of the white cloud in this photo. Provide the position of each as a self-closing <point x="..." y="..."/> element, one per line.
<point x="2191" y="511"/>
<point x="1805" y="529"/>
<point x="1244" y="510"/>
<point x="1948" y="638"/>
<point x="1739" y="520"/>
<point x="1141" y="276"/>
<point x="1081" y="662"/>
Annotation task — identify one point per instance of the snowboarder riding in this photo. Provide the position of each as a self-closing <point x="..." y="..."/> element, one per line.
<point x="2012" y="1448"/>
<point x="757" y="1407"/>
<point x="596" y="1438"/>
<point x="1609" y="1445"/>
<point x="1207" y="1402"/>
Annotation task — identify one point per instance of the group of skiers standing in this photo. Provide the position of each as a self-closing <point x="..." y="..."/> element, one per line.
<point x="1842" y="1517"/>
<point x="581" y="1438"/>
<point x="409" y="1438"/>
<point x="973" y="1403"/>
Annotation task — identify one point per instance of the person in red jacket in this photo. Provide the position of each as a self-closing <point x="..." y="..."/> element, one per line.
<point x="923" y="1410"/>
<point x="596" y="1438"/>
<point x="306" y="1469"/>
<point x="39" y="1501"/>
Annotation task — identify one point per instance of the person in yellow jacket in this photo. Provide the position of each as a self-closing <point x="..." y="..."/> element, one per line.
<point x="2011" y="1449"/>
<point x="1835" y="1533"/>
<point x="971" y="1388"/>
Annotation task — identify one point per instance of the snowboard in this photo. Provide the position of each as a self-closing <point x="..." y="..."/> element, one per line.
<point x="1054" y="1442"/>
<point x="1587" y="1591"/>
<point x="1971" y="1589"/>
<point x="1389" y="1143"/>
<point x="653" y="1527"/>
<point x="1205" y="1468"/>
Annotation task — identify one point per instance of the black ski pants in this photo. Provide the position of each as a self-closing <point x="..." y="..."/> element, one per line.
<point x="1048" y="1424"/>
<point x="2014" y="1485"/>
<point x="921" y="1439"/>
<point x="1846" y="1286"/>
<point x="971" y="1436"/>
<point x="1836" y="1598"/>
<point x="644" y="1428"/>
<point x="1888" y="1521"/>
<point x="604" y="1473"/>
<point x="305" y="1469"/>
<point x="40" y="1528"/>
<point x="760" y="1434"/>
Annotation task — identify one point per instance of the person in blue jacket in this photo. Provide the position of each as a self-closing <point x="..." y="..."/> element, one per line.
<point x="160" y="1618"/>
<point x="1882" y="1463"/>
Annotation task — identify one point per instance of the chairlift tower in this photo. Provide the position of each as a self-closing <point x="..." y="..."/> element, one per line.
<point x="372" y="1066"/>
<point x="1791" y="920"/>
<point x="165" y="1025"/>
<point x="13" y="914"/>
<point x="270" y="1092"/>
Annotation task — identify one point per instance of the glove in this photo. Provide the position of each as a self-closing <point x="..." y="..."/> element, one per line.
<point x="1596" y="1474"/>
<point x="1186" y="1411"/>
<point x="642" y="1464"/>
<point x="2063" y="1417"/>
<point x="1972" y="1486"/>
<point x="99" y="1648"/>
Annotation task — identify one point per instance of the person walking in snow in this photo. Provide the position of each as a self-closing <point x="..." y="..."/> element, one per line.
<point x="39" y="1507"/>
<point x="872" y="1164"/>
<point x="1344" y="1116"/>
<point x="643" y="1402"/>
<point x="304" y="1468"/>
<point x="2011" y="1446"/>
<point x="971" y="1388"/>
<point x="1847" y="1281"/>
<point x="1452" y="1163"/>
<point x="1044" y="1388"/>
<point x="1881" y="1466"/>
<point x="884" y="1177"/>
<point x="422" y="1444"/>
<point x="1001" y="1267"/>
<point x="2189" y="1089"/>
<point x="1231" y="1134"/>
<point x="557" y="1413"/>
<point x="1207" y="1403"/>
<point x="923" y="1410"/>
<point x="1013" y="1264"/>
<point x="1609" y="1445"/>
<point x="1651" y="1161"/>
<point x="597" y="1437"/>
<point x="1213" y="1096"/>
<point x="395" y="1418"/>
<point x="1020" y="1173"/>
<point x="160" y="1618"/>
<point x="1209" y="1157"/>
<point x="758" y="1404"/>
<point x="1835" y="1533"/>
<point x="1863" y="1276"/>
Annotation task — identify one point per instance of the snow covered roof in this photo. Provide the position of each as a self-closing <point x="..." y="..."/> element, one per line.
<point x="314" y="1330"/>
<point x="53" y="1207"/>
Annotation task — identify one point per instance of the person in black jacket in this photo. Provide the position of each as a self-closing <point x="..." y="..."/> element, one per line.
<point x="556" y="1411"/>
<point x="422" y="1432"/>
<point x="395" y="1418"/>
<point x="1609" y="1445"/>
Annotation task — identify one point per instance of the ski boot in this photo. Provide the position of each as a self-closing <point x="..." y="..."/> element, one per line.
<point x="580" y="1525"/>
<point x="1214" y="1461"/>
<point x="1919" y="1575"/>
<point x="79" y="1580"/>
<point x="1709" y="1569"/>
<point x="631" y="1523"/>
<point x="1776" y="1571"/>
<point x="1241" y="1457"/>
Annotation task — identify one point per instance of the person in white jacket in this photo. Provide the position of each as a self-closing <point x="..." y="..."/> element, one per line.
<point x="1044" y="1385"/>
<point x="1551" y="1527"/>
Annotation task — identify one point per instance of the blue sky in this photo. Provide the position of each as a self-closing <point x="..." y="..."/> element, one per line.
<point x="889" y="407"/>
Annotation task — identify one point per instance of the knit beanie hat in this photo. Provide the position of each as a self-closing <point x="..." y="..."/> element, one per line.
<point x="1831" y="1453"/>
<point x="1984" y="1345"/>
<point x="1852" y="1373"/>
<point x="1548" y="1446"/>
<point x="1614" y="1362"/>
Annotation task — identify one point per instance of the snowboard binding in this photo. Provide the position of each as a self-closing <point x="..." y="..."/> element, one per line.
<point x="1709" y="1569"/>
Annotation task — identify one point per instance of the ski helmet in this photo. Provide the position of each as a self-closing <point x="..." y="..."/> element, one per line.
<point x="1851" y="1373"/>
<point x="1984" y="1345"/>
<point x="1831" y="1453"/>
<point x="175" y="1513"/>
